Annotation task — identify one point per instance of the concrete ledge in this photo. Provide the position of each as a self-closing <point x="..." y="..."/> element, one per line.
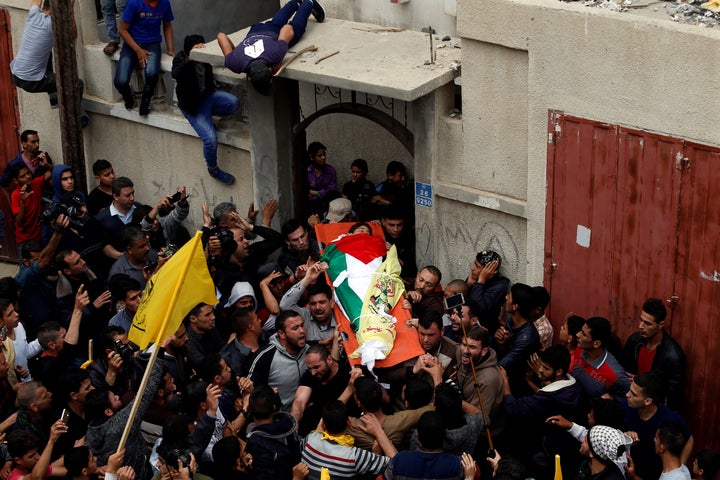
<point x="372" y="59"/>
<point x="164" y="117"/>
<point x="461" y="193"/>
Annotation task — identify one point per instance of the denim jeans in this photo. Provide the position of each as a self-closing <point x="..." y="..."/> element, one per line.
<point x="217" y="103"/>
<point x="108" y="11"/>
<point x="128" y="61"/>
<point x="280" y="19"/>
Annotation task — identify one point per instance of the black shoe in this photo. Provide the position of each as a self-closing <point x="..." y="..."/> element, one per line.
<point x="145" y="106"/>
<point x="53" y="100"/>
<point x="318" y="12"/>
<point x="129" y="99"/>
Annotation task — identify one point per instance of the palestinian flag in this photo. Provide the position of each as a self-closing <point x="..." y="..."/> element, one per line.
<point x="367" y="289"/>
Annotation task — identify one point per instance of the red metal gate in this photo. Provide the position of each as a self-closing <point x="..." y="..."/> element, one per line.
<point x="9" y="129"/>
<point x="631" y="215"/>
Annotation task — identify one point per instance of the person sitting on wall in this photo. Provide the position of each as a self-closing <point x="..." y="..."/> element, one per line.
<point x="140" y="31"/>
<point x="199" y="100"/>
<point x="260" y="53"/>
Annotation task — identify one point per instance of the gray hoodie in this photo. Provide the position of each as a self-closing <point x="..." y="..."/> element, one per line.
<point x="276" y="368"/>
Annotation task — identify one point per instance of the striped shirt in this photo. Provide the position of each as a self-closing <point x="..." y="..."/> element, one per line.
<point x="341" y="460"/>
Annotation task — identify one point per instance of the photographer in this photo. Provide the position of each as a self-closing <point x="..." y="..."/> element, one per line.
<point x="164" y="220"/>
<point x="234" y="259"/>
<point x="84" y="234"/>
<point x="114" y="368"/>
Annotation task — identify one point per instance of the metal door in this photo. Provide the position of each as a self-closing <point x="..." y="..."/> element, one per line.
<point x="632" y="215"/>
<point x="9" y="130"/>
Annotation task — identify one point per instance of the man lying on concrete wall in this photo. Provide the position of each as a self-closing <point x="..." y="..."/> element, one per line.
<point x="260" y="53"/>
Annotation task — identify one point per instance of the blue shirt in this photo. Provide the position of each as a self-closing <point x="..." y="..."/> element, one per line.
<point x="146" y="21"/>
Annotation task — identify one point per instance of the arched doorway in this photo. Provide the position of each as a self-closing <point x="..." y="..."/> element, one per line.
<point x="395" y="128"/>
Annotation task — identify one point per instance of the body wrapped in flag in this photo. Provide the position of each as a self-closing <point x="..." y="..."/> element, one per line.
<point x="367" y="289"/>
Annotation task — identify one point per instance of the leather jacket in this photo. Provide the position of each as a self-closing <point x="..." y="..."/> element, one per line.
<point x="669" y="360"/>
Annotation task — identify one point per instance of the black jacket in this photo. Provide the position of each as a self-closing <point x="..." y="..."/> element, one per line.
<point x="194" y="82"/>
<point x="669" y="361"/>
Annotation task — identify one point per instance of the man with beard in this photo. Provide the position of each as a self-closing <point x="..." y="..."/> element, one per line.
<point x="426" y="294"/>
<point x="281" y="364"/>
<point x="464" y="316"/>
<point x="324" y="381"/>
<point x="559" y="394"/>
<point x="476" y="346"/>
<point x="318" y="316"/>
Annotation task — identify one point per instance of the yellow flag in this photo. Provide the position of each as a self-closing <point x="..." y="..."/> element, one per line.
<point x="558" y="470"/>
<point x="183" y="282"/>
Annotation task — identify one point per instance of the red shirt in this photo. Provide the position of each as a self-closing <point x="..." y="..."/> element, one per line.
<point x="29" y="228"/>
<point x="645" y="359"/>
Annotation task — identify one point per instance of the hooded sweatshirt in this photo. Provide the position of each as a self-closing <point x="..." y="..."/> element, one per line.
<point x="275" y="367"/>
<point x="58" y="191"/>
<point x="491" y="387"/>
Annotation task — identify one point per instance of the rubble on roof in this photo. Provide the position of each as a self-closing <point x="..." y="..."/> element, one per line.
<point x="690" y="13"/>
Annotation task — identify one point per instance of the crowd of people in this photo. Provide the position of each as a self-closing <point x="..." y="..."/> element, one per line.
<point x="260" y="386"/>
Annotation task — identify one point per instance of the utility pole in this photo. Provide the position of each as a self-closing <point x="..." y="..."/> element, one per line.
<point x="68" y="85"/>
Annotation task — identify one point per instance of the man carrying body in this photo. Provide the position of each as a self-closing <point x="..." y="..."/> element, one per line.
<point x="651" y="348"/>
<point x="394" y="228"/>
<point x="266" y="44"/>
<point x="298" y="247"/>
<point x="426" y="294"/>
<point x="318" y="316"/>
<point x="324" y="381"/>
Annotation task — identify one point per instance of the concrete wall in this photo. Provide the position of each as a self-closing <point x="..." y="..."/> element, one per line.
<point x="414" y="14"/>
<point x="159" y="153"/>
<point x="488" y="169"/>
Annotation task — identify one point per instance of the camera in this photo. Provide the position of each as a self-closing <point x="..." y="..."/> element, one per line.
<point x="228" y="245"/>
<point x="178" y="454"/>
<point x="72" y="210"/>
<point x="124" y="351"/>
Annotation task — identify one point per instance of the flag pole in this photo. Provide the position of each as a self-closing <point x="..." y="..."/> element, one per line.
<point x="138" y="398"/>
<point x="158" y="345"/>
